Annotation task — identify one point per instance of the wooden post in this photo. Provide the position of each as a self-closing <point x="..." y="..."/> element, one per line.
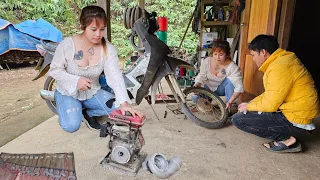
<point x="141" y="5"/>
<point x="105" y="4"/>
<point x="286" y="18"/>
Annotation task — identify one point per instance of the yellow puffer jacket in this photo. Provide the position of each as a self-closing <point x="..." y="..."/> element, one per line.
<point x="289" y="88"/>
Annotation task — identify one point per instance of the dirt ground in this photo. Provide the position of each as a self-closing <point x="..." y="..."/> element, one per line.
<point x="21" y="107"/>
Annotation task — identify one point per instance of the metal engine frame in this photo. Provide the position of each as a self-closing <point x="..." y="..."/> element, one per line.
<point x="126" y="141"/>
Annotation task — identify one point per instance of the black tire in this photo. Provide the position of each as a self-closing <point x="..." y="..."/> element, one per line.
<point x="218" y="108"/>
<point x="50" y="86"/>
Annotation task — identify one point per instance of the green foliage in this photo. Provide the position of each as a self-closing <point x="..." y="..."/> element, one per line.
<point x="178" y="13"/>
<point x="64" y="15"/>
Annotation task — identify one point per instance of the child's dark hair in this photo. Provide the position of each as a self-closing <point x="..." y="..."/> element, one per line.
<point x="90" y="13"/>
<point x="263" y="41"/>
<point x="221" y="45"/>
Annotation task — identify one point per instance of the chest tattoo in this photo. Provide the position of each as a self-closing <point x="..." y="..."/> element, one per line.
<point x="78" y="55"/>
<point x="217" y="68"/>
<point x="91" y="51"/>
<point x="223" y="71"/>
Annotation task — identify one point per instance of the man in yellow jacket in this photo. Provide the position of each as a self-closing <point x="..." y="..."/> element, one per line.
<point x="289" y="103"/>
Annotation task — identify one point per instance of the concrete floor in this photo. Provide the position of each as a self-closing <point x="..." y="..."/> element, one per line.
<point x="225" y="153"/>
<point x="206" y="154"/>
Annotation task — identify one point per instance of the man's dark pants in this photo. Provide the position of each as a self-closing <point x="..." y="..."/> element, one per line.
<point x="273" y="125"/>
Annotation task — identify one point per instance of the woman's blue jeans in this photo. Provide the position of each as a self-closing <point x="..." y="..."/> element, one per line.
<point x="226" y="88"/>
<point x="69" y="109"/>
<point x="271" y="125"/>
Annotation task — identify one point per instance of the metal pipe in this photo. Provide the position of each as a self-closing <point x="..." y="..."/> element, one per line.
<point x="160" y="167"/>
<point x="177" y="88"/>
<point x="172" y="89"/>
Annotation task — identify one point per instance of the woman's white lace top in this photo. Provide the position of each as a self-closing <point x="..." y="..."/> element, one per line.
<point x="232" y="73"/>
<point x="67" y="73"/>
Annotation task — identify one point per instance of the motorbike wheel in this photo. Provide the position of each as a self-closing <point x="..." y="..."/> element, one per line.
<point x="50" y="86"/>
<point x="208" y="111"/>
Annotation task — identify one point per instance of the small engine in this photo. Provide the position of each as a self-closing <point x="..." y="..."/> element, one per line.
<point x="125" y="143"/>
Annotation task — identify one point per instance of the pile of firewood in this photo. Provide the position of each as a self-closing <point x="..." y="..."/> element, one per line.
<point x="17" y="56"/>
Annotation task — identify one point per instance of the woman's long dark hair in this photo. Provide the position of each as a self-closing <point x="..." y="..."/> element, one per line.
<point x="90" y="13"/>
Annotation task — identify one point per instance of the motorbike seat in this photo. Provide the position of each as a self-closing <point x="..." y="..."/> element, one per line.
<point x="49" y="45"/>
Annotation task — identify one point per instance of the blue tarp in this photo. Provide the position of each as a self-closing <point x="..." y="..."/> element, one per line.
<point x="25" y="35"/>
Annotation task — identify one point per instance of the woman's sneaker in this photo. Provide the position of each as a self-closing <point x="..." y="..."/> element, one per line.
<point x="91" y="122"/>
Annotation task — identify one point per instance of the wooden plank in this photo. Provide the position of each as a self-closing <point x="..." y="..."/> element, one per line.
<point x="252" y="80"/>
<point x="235" y="43"/>
<point x="259" y="17"/>
<point x="273" y="17"/>
<point x="286" y="19"/>
<point x="244" y="36"/>
<point x="258" y="24"/>
<point x="215" y="23"/>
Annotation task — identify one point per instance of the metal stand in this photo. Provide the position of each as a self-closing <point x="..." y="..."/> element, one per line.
<point x="130" y="168"/>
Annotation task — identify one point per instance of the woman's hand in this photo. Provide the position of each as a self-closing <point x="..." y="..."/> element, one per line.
<point x="228" y="106"/>
<point x="125" y="107"/>
<point x="84" y="84"/>
<point x="197" y="84"/>
<point x="234" y="96"/>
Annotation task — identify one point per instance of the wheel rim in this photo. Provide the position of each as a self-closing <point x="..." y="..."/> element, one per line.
<point x="207" y="107"/>
<point x="204" y="106"/>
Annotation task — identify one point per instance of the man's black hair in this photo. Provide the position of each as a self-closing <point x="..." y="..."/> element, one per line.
<point x="266" y="42"/>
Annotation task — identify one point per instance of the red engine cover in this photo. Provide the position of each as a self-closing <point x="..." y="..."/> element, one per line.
<point x="136" y="122"/>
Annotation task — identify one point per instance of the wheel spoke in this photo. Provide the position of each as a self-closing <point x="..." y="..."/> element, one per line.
<point x="205" y="107"/>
